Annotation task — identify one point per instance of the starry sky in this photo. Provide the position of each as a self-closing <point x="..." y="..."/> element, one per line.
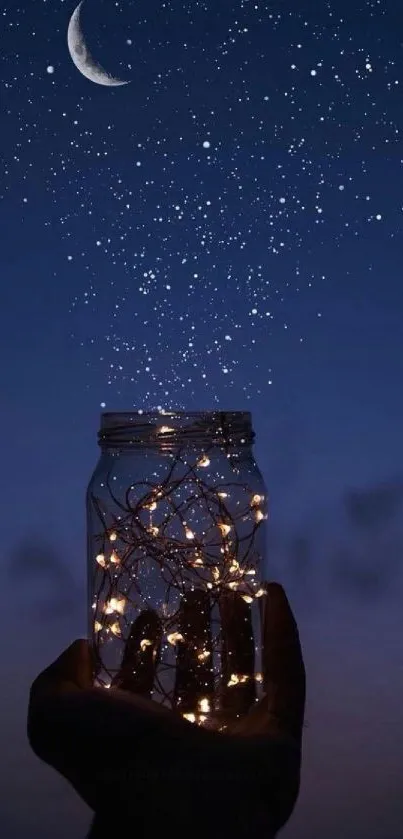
<point x="224" y="230"/>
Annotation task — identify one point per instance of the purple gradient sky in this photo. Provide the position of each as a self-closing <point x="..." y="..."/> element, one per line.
<point x="301" y="216"/>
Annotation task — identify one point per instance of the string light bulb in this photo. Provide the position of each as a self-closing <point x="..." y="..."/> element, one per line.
<point x="115" y="604"/>
<point x="225" y="528"/>
<point x="174" y="637"/>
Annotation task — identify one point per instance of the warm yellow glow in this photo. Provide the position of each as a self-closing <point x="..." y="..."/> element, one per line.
<point x="247" y="598"/>
<point x="204" y="705"/>
<point x="153" y="530"/>
<point x="189" y="533"/>
<point x="100" y="559"/>
<point x="259" y="516"/>
<point x="237" y="679"/>
<point x="222" y="494"/>
<point x="204" y="461"/>
<point x="251" y="572"/>
<point x="190" y="717"/>
<point x="115" y="629"/>
<point x="165" y="429"/>
<point x="114" y="558"/>
<point x="115" y="604"/>
<point x="197" y="561"/>
<point x="174" y="637"/>
<point x="144" y="643"/>
<point x="234" y="585"/>
<point x="257" y="499"/>
<point x="204" y="655"/>
<point x="151" y="506"/>
<point x="259" y="677"/>
<point x="260" y="592"/>
<point x="97" y="626"/>
<point x="209" y="585"/>
<point x="215" y="573"/>
<point x="234" y="567"/>
<point x="112" y="537"/>
<point x="225" y="529"/>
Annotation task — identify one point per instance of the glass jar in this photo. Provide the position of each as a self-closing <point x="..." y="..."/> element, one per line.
<point x="177" y="511"/>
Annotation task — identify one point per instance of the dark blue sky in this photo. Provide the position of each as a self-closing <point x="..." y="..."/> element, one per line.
<point x="225" y="230"/>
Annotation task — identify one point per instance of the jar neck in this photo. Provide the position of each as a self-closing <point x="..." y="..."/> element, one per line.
<point x="174" y="430"/>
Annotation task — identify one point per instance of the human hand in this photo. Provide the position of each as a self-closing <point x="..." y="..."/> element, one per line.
<point x="141" y="766"/>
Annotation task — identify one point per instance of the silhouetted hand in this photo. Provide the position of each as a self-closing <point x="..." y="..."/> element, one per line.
<point x="143" y="768"/>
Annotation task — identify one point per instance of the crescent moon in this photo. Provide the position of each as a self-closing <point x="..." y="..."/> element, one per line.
<point x="82" y="57"/>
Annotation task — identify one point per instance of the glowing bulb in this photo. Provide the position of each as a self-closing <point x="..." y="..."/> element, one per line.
<point x="225" y="529"/>
<point x="115" y="629"/>
<point x="153" y="530"/>
<point x="100" y="559"/>
<point x="116" y="604"/>
<point x="237" y="679"/>
<point x="234" y="567"/>
<point x="260" y="592"/>
<point x="204" y="461"/>
<point x="251" y="572"/>
<point x="257" y="499"/>
<point x="97" y="626"/>
<point x="204" y="705"/>
<point x="215" y="573"/>
<point x="247" y="598"/>
<point x="144" y="643"/>
<point x="190" y="717"/>
<point x="165" y="429"/>
<point x="222" y="494"/>
<point x="114" y="558"/>
<point x="204" y="655"/>
<point x="233" y="585"/>
<point x="189" y="533"/>
<point x="112" y="537"/>
<point x="151" y="506"/>
<point x="259" y="516"/>
<point x="259" y="677"/>
<point x="174" y="637"/>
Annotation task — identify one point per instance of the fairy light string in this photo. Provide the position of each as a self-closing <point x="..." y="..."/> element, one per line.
<point x="166" y="585"/>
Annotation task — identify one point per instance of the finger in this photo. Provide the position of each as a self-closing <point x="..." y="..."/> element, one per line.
<point x="141" y="655"/>
<point x="71" y="671"/>
<point x="283" y="665"/>
<point x="238" y="689"/>
<point x="194" y="677"/>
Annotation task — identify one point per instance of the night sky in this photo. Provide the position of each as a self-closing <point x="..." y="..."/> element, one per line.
<point x="224" y="231"/>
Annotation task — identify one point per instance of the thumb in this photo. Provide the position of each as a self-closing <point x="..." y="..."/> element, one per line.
<point x="283" y="665"/>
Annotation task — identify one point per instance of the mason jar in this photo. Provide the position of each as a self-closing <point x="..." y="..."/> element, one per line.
<point x="176" y="512"/>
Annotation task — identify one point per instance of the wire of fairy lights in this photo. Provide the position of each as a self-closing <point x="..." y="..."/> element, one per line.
<point x="205" y="586"/>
